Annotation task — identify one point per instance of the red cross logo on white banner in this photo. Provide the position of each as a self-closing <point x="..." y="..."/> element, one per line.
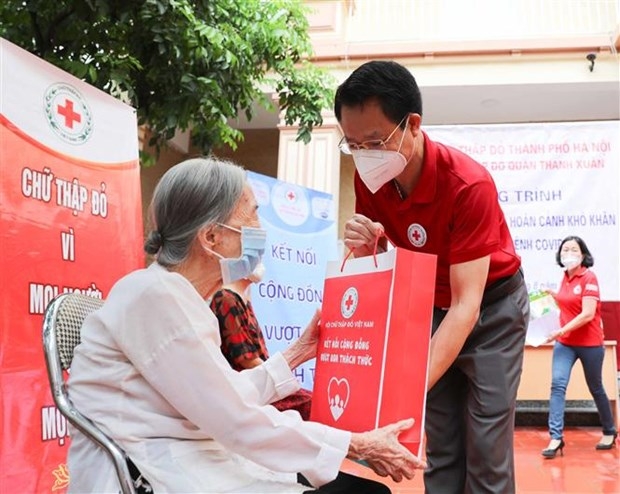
<point x="68" y="114"/>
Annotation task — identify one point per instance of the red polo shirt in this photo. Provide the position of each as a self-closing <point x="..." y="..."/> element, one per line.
<point x="569" y="299"/>
<point x="452" y="212"/>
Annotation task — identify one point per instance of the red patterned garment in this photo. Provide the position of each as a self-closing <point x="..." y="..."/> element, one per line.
<point x="243" y="341"/>
<point x="242" y="338"/>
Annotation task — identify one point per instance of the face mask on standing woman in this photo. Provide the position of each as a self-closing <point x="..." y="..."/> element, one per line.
<point x="570" y="261"/>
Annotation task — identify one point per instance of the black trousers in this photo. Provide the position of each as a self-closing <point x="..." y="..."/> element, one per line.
<point x="347" y="484"/>
<point x="470" y="410"/>
<point x="344" y="483"/>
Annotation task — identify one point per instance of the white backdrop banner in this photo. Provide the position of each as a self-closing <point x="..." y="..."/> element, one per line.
<point x="554" y="180"/>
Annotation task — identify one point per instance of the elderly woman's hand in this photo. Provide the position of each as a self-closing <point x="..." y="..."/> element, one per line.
<point x="384" y="454"/>
<point x="305" y="347"/>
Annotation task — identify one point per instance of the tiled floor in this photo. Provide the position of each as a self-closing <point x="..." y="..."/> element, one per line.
<point x="581" y="470"/>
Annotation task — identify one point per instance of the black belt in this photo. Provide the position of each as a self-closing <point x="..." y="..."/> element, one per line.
<point x="501" y="288"/>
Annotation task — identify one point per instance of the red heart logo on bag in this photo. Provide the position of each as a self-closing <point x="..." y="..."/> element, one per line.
<point x="338" y="396"/>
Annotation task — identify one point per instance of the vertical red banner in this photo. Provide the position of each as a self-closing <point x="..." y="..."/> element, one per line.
<point x="70" y="220"/>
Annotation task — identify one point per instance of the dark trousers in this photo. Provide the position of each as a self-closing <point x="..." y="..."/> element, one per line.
<point x="347" y="484"/>
<point x="470" y="410"/>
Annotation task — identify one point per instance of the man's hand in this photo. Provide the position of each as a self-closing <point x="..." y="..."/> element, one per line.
<point x="360" y="235"/>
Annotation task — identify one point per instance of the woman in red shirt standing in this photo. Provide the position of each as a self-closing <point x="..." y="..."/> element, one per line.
<point x="580" y="337"/>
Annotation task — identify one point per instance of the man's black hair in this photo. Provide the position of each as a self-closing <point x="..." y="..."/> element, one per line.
<point x="389" y="83"/>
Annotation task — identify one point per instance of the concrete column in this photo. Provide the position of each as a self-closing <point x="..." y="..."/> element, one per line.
<point x="315" y="165"/>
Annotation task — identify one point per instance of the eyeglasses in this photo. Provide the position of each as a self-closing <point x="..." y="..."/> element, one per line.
<point x="347" y="147"/>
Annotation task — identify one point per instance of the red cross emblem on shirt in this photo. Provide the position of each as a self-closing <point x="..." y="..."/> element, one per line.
<point x="416" y="234"/>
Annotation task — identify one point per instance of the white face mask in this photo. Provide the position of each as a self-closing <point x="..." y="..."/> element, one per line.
<point x="258" y="273"/>
<point x="569" y="261"/>
<point x="378" y="166"/>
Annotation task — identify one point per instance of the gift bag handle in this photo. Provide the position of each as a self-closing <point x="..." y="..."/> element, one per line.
<point x="374" y="253"/>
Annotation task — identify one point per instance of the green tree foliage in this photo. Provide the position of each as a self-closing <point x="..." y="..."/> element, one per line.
<point x="182" y="64"/>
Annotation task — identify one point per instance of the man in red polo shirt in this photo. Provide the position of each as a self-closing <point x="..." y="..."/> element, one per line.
<point x="432" y="198"/>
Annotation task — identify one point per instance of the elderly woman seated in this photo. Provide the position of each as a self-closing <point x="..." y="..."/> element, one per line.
<point x="150" y="373"/>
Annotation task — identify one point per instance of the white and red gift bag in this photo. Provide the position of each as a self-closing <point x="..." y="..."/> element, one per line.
<point x="372" y="362"/>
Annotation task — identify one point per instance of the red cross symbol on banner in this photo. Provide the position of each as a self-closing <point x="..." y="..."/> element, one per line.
<point x="290" y="195"/>
<point x="67" y="112"/>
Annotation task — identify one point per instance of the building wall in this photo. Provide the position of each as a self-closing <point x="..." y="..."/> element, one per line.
<point x="258" y="152"/>
<point x="346" y="205"/>
<point x="546" y="47"/>
<point x="149" y="176"/>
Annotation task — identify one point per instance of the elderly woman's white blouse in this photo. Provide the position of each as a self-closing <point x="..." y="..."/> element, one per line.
<point x="150" y="371"/>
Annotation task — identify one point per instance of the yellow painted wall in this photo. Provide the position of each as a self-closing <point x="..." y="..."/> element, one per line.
<point x="346" y="206"/>
<point x="258" y="152"/>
